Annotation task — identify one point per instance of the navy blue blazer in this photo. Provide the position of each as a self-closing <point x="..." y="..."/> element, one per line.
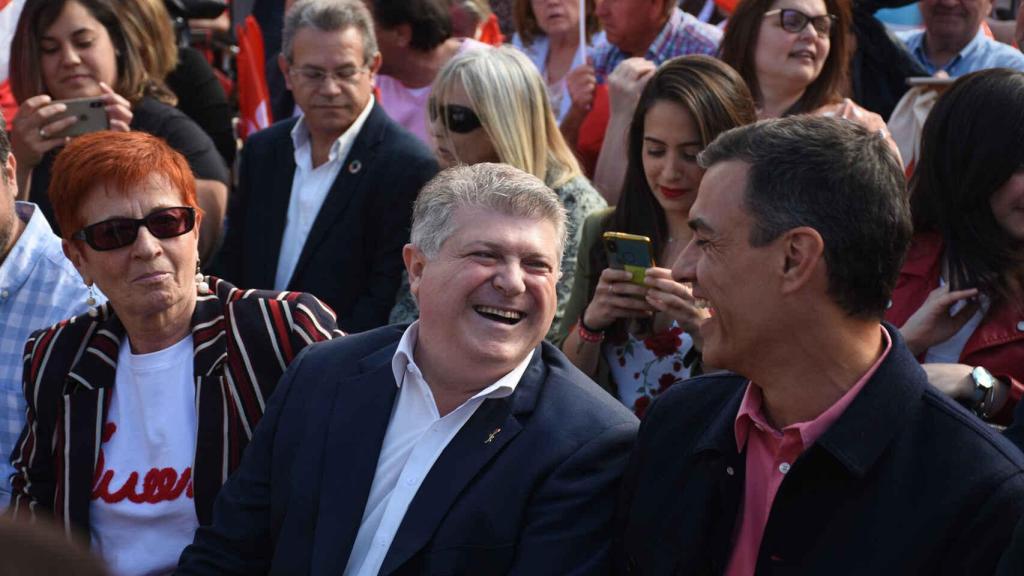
<point x="537" y="499"/>
<point x="352" y="258"/>
<point x="904" y="482"/>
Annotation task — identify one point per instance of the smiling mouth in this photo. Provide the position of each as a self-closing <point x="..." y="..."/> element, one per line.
<point x="510" y="317"/>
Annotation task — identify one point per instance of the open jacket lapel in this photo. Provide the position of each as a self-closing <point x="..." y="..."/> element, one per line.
<point x="86" y="398"/>
<point x="345" y="186"/>
<point x="466" y="455"/>
<point x="363" y="402"/>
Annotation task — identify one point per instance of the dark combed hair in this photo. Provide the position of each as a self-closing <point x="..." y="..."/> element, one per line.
<point x="971" y="145"/>
<point x="430" y="21"/>
<point x="740" y="42"/>
<point x="716" y="98"/>
<point x="836" y="177"/>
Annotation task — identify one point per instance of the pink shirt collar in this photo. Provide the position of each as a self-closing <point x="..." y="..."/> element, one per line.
<point x="751" y="413"/>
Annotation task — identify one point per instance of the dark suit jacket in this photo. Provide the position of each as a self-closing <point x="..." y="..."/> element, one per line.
<point x="538" y="499"/>
<point x="905" y="482"/>
<point x="352" y="258"/>
<point x="243" y="340"/>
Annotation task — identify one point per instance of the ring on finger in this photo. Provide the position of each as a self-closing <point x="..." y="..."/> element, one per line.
<point x="42" y="133"/>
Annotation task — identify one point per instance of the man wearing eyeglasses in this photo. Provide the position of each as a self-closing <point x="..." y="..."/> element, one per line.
<point x="954" y="42"/>
<point x="325" y="200"/>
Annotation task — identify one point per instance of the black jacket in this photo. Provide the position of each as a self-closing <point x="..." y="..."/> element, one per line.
<point x="905" y="482"/>
<point x="352" y="258"/>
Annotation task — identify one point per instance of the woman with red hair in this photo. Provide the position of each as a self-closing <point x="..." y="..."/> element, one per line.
<point x="139" y="410"/>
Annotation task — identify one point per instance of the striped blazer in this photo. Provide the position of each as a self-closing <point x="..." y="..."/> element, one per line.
<point x="243" y="341"/>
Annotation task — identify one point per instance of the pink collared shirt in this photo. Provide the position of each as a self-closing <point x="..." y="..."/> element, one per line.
<point x="770" y="453"/>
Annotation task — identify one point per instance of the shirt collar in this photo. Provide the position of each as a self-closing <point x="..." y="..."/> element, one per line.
<point x="339" y="149"/>
<point x="675" y="21"/>
<point x="751" y="412"/>
<point x="21" y="260"/>
<point x="973" y="46"/>
<point x="403" y="362"/>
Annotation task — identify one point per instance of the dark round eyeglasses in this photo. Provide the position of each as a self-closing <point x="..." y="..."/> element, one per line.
<point x="120" y="232"/>
<point x="458" y="119"/>
<point x="795" y="21"/>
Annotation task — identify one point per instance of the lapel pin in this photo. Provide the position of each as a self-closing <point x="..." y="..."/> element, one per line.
<point x="354" y="166"/>
<point x="490" y="438"/>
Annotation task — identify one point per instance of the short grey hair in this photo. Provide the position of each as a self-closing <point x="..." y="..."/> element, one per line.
<point x="497" y="187"/>
<point x="329" y="16"/>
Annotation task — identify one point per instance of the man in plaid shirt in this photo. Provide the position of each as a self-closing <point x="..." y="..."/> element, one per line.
<point x="38" y="287"/>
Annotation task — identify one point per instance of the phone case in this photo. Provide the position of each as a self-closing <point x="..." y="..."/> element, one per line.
<point x="629" y="252"/>
<point x="91" y="114"/>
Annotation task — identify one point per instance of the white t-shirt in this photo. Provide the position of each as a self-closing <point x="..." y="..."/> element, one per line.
<point x="142" y="514"/>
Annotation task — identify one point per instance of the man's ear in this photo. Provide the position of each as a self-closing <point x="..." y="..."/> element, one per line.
<point x="415" y="262"/>
<point x="283" y="64"/>
<point x="10" y="175"/>
<point x="74" y="254"/>
<point x="803" y="258"/>
<point x="375" y="63"/>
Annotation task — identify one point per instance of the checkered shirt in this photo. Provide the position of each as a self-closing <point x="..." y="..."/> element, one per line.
<point x="682" y="34"/>
<point x="38" y="288"/>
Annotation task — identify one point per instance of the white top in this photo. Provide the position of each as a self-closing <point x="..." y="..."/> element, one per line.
<point x="415" y="438"/>
<point x="309" y="189"/>
<point x="142" y="514"/>
<point x="951" y="350"/>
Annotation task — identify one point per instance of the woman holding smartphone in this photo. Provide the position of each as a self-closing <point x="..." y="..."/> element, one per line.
<point x="637" y="340"/>
<point x="71" y="49"/>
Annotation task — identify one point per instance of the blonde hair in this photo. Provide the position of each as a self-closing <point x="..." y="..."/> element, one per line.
<point x="510" y="98"/>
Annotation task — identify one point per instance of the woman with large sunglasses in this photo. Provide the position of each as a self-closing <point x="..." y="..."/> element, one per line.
<point x="70" y="49"/>
<point x="492" y="106"/>
<point x="636" y="341"/>
<point x="139" y="410"/>
<point x="794" y="56"/>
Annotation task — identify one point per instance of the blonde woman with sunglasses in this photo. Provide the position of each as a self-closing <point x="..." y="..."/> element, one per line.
<point x="492" y="106"/>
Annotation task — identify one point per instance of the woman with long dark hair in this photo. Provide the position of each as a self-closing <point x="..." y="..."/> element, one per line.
<point x="639" y="340"/>
<point x="960" y="296"/>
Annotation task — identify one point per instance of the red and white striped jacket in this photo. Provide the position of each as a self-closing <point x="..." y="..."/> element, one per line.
<point x="243" y="342"/>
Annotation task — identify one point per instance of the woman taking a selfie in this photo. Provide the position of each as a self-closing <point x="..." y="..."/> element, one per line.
<point x="71" y="49"/>
<point x="637" y="340"/>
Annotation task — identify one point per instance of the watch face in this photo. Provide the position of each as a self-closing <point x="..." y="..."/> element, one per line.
<point x="982" y="377"/>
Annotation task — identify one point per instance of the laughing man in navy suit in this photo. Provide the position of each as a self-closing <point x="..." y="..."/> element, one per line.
<point x="462" y="444"/>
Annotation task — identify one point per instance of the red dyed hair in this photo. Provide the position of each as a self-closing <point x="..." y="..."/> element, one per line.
<point x="120" y="161"/>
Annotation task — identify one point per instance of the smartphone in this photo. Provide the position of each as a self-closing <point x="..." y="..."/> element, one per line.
<point x="91" y="113"/>
<point x="629" y="252"/>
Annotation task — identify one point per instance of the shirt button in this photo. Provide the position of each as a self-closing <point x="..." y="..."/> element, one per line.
<point x="4" y="294"/>
<point x="730" y="471"/>
<point x="784" y="467"/>
<point x="1020" y="325"/>
<point x="888" y="304"/>
<point x="410" y="481"/>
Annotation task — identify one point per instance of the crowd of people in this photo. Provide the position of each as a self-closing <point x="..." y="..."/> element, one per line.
<point x="401" y="330"/>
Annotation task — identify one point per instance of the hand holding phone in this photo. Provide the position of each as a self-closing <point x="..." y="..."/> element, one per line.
<point x="90" y="115"/>
<point x="630" y="252"/>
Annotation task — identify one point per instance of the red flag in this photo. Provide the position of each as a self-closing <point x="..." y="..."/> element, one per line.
<point x="253" y="94"/>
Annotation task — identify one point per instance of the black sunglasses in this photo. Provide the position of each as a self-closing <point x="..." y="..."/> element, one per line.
<point x="120" y="232"/>
<point x="795" y="21"/>
<point x="458" y="119"/>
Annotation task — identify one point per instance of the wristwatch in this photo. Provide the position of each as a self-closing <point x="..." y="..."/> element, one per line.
<point x="984" y="386"/>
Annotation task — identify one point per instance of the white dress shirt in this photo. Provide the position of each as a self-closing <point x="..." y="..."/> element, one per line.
<point x="309" y="189"/>
<point x="415" y="438"/>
